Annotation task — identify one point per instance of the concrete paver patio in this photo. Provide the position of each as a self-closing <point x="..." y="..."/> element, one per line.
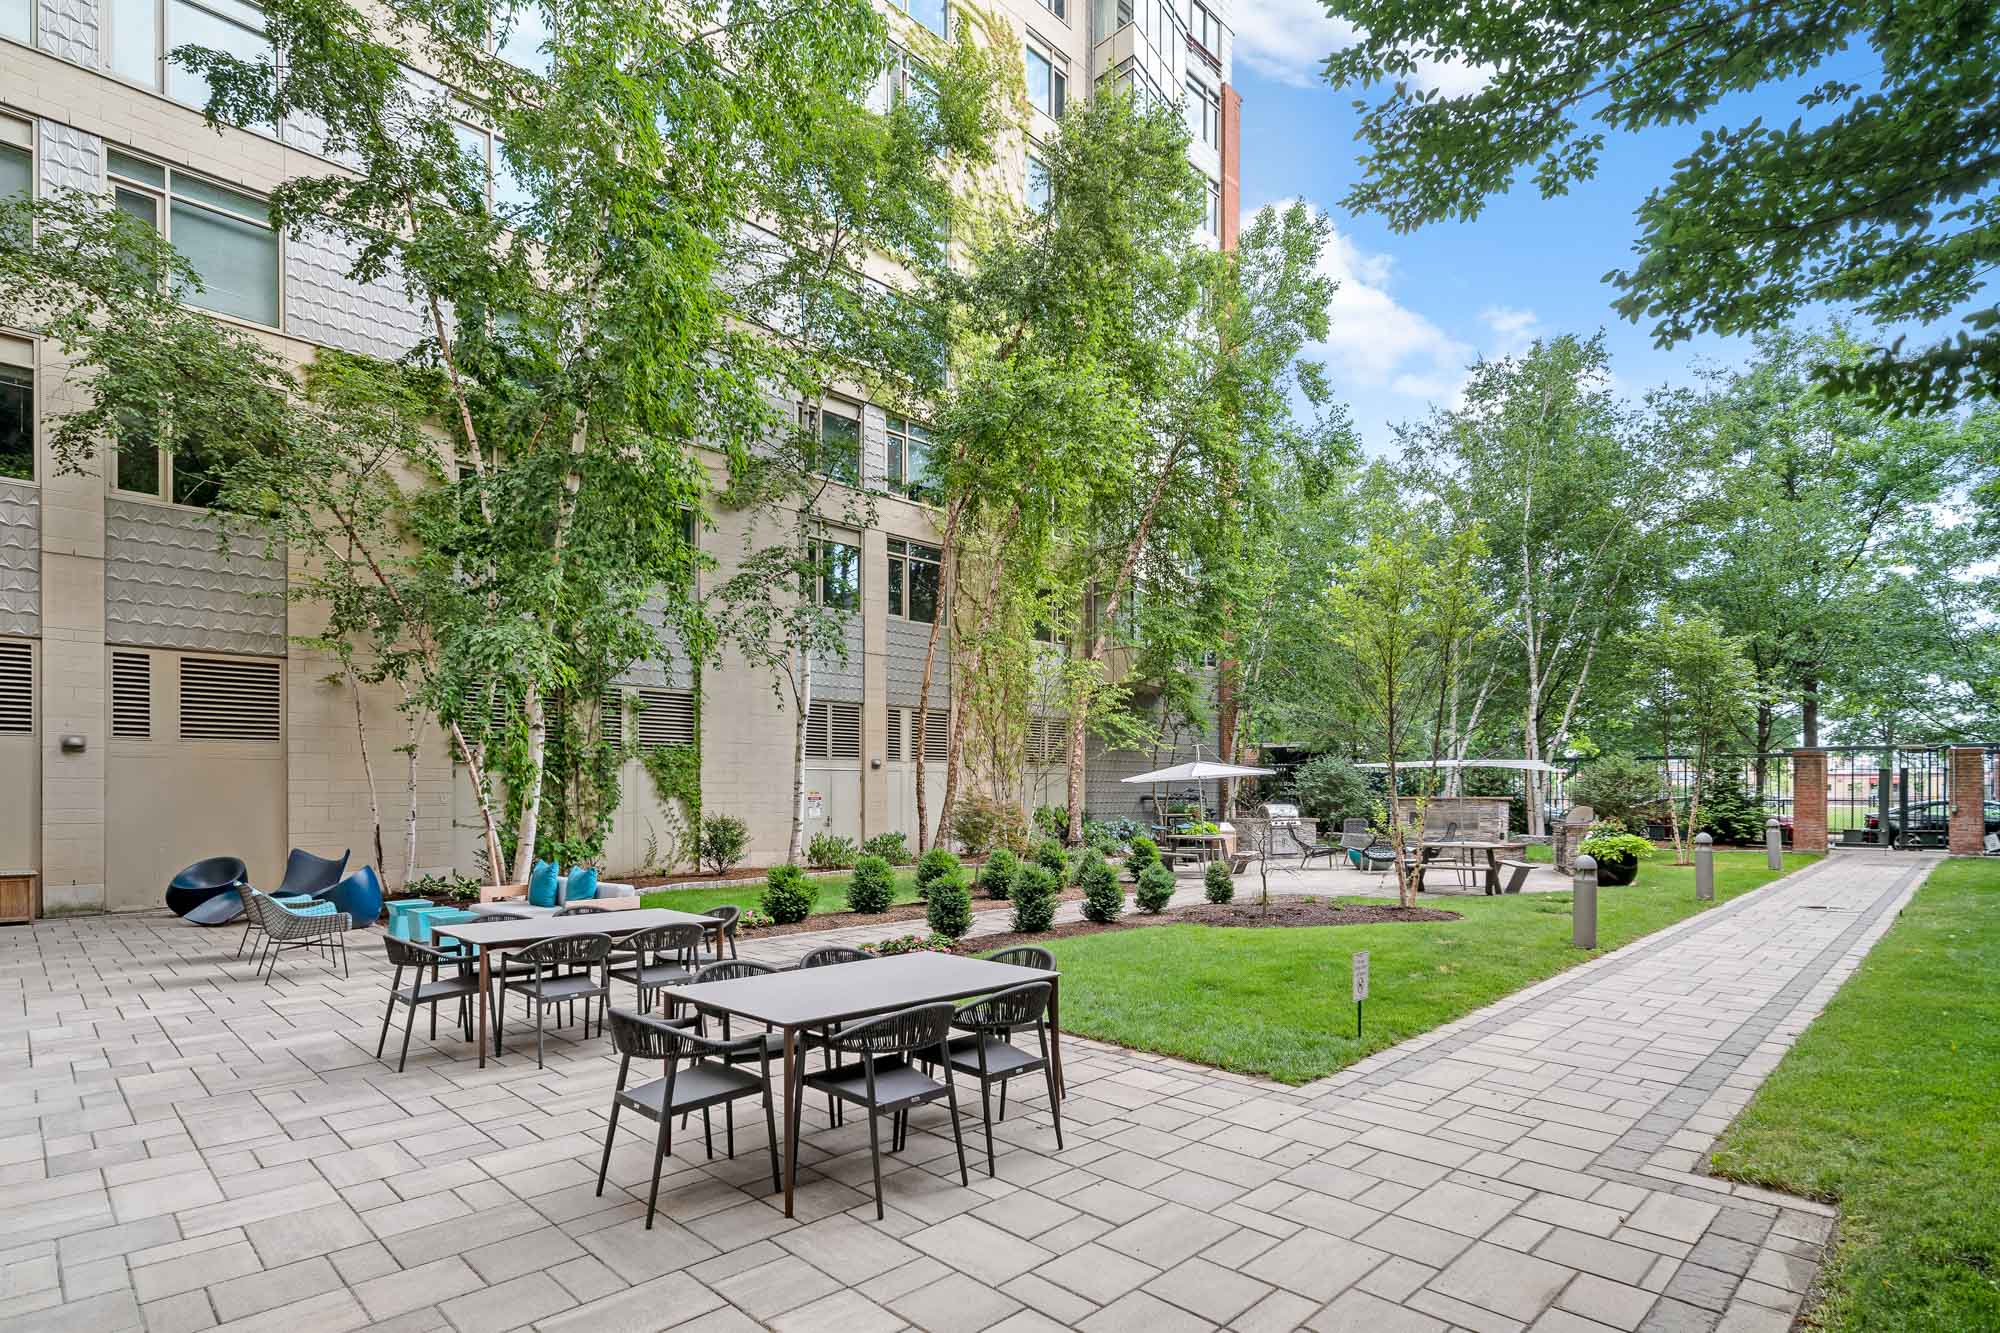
<point x="182" y="1148"/>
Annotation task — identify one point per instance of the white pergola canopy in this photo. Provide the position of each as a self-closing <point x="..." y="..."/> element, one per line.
<point x="1518" y="765"/>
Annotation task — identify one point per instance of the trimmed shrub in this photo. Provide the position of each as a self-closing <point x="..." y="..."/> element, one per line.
<point x="723" y="840"/>
<point x="1156" y="885"/>
<point x="1103" y="900"/>
<point x="996" y="877"/>
<point x="948" y="909"/>
<point x="1034" y="899"/>
<point x="1102" y="836"/>
<point x="831" y="851"/>
<point x="891" y="847"/>
<point x="872" y="887"/>
<point x="1216" y="882"/>
<point x="1049" y="854"/>
<point x="1619" y="787"/>
<point x="787" y="895"/>
<point x="1145" y="852"/>
<point x="935" y="864"/>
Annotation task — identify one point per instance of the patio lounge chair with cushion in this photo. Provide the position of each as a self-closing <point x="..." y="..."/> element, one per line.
<point x="311" y="926"/>
<point x="706" y="1081"/>
<point x="884" y="1078"/>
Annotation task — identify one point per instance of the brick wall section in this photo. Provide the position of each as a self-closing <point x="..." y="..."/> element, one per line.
<point x="1809" y="804"/>
<point x="1968" y="796"/>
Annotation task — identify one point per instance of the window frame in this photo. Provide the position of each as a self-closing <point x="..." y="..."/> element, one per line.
<point x="943" y="29"/>
<point x="163" y="197"/>
<point x="903" y="553"/>
<point x="1212" y="216"/>
<point x="159" y="78"/>
<point x="1033" y="167"/>
<point x="1199" y="29"/>
<point x="9" y="368"/>
<point x="898" y="431"/>
<point x="812" y="416"/>
<point x="1034" y="47"/>
<point x="818" y="583"/>
<point x="1204" y="112"/>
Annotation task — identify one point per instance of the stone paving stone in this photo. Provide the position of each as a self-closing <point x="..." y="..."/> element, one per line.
<point x="1518" y="1286"/>
<point x="1208" y="1289"/>
<point x="1457" y="1208"/>
<point x="1356" y="1311"/>
<point x="1097" y="1274"/>
<point x="955" y="1304"/>
<point x="1607" y="1302"/>
<point x="1314" y="1264"/>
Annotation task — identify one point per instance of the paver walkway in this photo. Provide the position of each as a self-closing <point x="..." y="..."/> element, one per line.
<point x="182" y="1148"/>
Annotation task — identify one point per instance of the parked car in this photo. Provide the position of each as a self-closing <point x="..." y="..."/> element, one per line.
<point x="1932" y="816"/>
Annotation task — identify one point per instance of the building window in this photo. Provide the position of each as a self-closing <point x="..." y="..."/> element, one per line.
<point x="486" y="153"/>
<point x="1205" y="29"/>
<point x="1204" y="113"/>
<point x="144" y="31"/>
<point x="17" y="163"/>
<point x="835" y="577"/>
<point x="224" y="234"/>
<point x="17" y="417"/>
<point x="1057" y="7"/>
<point x="913" y="580"/>
<point x="17" y="20"/>
<point x="910" y="460"/>
<point x="190" y="474"/>
<point x="930" y="13"/>
<point x="1048" y="81"/>
<point x="835" y="429"/>
<point x="1039" y="193"/>
<point x="1212" y="221"/>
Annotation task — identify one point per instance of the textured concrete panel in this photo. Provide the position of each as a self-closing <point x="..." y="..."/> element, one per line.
<point x="903" y="673"/>
<point x="676" y="673"/>
<point x="324" y="305"/>
<point x="71" y="159"/>
<point x="20" y="560"/>
<point x="835" y="679"/>
<point x="69" y="28"/>
<point x="169" y="582"/>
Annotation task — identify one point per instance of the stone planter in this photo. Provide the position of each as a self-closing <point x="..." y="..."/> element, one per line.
<point x="1616" y="871"/>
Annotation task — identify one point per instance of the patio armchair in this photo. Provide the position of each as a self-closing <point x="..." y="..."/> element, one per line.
<point x="708" y="1080"/>
<point x="654" y="959"/>
<point x="883" y="1079"/>
<point x="831" y="955"/>
<point x="562" y="970"/>
<point x="315" y="926"/>
<point x="726" y="918"/>
<point x="462" y="985"/>
<point x="204" y="893"/>
<point x="987" y="1050"/>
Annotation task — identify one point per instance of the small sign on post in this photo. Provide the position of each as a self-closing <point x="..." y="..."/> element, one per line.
<point x="1360" y="987"/>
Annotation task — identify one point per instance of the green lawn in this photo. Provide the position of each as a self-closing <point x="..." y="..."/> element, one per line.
<point x="1275" y="1002"/>
<point x="749" y="893"/>
<point x="1890" y="1106"/>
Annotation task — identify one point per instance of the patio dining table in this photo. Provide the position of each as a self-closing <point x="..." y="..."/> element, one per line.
<point x="500" y="936"/>
<point x="1492" y="848"/>
<point x="816" y="998"/>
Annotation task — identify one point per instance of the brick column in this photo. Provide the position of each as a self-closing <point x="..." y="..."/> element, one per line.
<point x="1809" y="800"/>
<point x="1968" y="800"/>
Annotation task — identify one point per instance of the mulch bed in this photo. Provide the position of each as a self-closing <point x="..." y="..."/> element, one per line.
<point x="1282" y="912"/>
<point x="902" y="912"/>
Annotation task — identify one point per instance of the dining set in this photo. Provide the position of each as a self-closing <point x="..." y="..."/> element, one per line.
<point x="893" y="1033"/>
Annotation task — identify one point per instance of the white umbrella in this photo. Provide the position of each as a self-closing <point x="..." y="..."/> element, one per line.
<point x="1201" y="770"/>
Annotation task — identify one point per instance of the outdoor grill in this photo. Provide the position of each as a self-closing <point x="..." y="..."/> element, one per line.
<point x="1279" y="814"/>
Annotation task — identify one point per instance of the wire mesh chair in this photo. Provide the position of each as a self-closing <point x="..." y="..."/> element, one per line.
<point x="885" y="1080"/>
<point x="707" y="1081"/>
<point x="657" y="958"/>
<point x="987" y="1049"/>
<point x="559" y="971"/>
<point x="462" y="985"/>
<point x="316" y="927"/>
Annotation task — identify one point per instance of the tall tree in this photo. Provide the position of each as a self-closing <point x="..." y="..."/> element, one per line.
<point x="1879" y="197"/>
<point x="1701" y="688"/>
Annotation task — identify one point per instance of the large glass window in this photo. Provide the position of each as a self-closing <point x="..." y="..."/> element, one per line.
<point x="1204" y="113"/>
<point x="913" y="580"/>
<point x="930" y="13"/>
<point x="835" y="577"/>
<point x="1205" y="28"/>
<point x="17" y="418"/>
<point x="1039" y="193"/>
<point x="142" y="32"/>
<point x="1048" y="81"/>
<point x="1212" y="219"/>
<point x="17" y="165"/>
<point x="910" y="460"/>
<point x="224" y="234"/>
<point x="17" y="20"/>
<point x="837" y="424"/>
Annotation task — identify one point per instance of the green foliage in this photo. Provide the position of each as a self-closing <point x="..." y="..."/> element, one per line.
<point x="1727" y="812"/>
<point x="934" y="866"/>
<point x="675" y="771"/>
<point x="1156" y="886"/>
<point x="724" y="839"/>
<point x="1050" y="855"/>
<point x="1103" y="836"/>
<point x="872" y="886"/>
<point x="1618" y="787"/>
<point x="1052" y="821"/>
<point x="891" y="847"/>
<point x="1103" y="900"/>
<point x="788" y="897"/>
<point x="902" y="944"/>
<point x="996" y="877"/>
<point x="831" y="851"/>
<point x="1145" y="852"/>
<point x="1329" y="789"/>
<point x="1615" y="845"/>
<point x="452" y="887"/>
<point x="1217" y="885"/>
<point x="1035" y="894"/>
<point x="948" y="905"/>
<point x="982" y="823"/>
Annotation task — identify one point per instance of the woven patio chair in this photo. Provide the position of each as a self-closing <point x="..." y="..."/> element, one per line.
<point x="562" y="970"/>
<point x="461" y="985"/>
<point x="317" y="926"/>
<point x="988" y="1053"/>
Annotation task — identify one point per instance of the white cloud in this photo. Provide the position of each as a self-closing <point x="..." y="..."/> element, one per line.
<point x="1513" y="329"/>
<point x="1289" y="41"/>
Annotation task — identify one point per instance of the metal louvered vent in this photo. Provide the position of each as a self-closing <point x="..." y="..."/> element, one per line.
<point x="833" y="730"/>
<point x="666" y="717"/>
<point x="132" y="696"/>
<point x="611" y="718"/>
<point x="17" y="689"/>
<point x="892" y="740"/>
<point x="937" y="735"/>
<point x="228" y="700"/>
<point x="1048" y="740"/>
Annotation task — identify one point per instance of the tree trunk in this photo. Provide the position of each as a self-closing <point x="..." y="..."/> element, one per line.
<point x="802" y="697"/>
<point x="948" y="585"/>
<point x="414" y="749"/>
<point x="1809" y="711"/>
<point x="531" y="800"/>
<point x="1228" y="701"/>
<point x="475" y="771"/>
<point x="367" y="766"/>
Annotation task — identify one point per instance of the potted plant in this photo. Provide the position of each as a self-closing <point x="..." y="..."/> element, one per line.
<point x="1616" y="852"/>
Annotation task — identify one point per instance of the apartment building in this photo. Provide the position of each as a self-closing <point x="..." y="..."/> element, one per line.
<point x="155" y="704"/>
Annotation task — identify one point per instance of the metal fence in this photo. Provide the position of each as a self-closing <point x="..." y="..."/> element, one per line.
<point x="1864" y="784"/>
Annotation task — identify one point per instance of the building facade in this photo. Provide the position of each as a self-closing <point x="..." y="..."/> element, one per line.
<point x="155" y="703"/>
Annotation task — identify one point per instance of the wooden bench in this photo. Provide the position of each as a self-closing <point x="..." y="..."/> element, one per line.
<point x="1518" y="876"/>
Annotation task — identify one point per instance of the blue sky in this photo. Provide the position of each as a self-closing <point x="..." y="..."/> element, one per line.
<point x="1414" y="310"/>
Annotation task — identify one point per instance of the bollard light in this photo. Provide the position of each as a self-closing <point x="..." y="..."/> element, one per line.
<point x="1704" y="868"/>
<point x="1583" y="904"/>
<point x="1774" y="844"/>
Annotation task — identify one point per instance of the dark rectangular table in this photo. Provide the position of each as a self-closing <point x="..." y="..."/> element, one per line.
<point x="797" y="1001"/>
<point x="492" y="936"/>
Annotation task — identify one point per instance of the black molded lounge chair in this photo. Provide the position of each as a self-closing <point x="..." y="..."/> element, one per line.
<point x="212" y="880"/>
